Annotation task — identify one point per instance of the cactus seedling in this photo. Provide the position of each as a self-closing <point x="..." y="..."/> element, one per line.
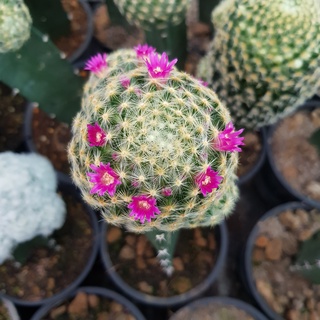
<point x="143" y="148"/>
<point x="264" y="60"/>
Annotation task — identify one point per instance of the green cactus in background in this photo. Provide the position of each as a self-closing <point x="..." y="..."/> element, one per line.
<point x="149" y="143"/>
<point x="163" y="22"/>
<point x="34" y="66"/>
<point x="264" y="60"/>
<point x="308" y="260"/>
<point x="15" y="25"/>
<point x="153" y="14"/>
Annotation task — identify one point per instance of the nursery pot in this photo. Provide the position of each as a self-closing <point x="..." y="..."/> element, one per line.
<point x="101" y="292"/>
<point x="250" y="174"/>
<point x="247" y="264"/>
<point x="200" y="305"/>
<point x="274" y="178"/>
<point x="80" y="51"/>
<point x="68" y="190"/>
<point x="11" y="309"/>
<point x="176" y="300"/>
<point x="30" y="144"/>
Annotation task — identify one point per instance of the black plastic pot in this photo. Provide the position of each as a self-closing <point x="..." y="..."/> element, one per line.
<point x="69" y="189"/>
<point x="12" y="311"/>
<point x="178" y="300"/>
<point x="260" y="161"/>
<point x="91" y="290"/>
<point x="246" y="265"/>
<point x="89" y="34"/>
<point x="29" y="144"/>
<point x="274" y="180"/>
<point x="226" y="301"/>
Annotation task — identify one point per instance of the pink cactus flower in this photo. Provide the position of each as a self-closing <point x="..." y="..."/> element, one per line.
<point x="105" y="179"/>
<point x="228" y="139"/>
<point x="143" y="208"/>
<point x="125" y="82"/>
<point x="208" y="181"/>
<point x="204" y="83"/>
<point x="166" y="192"/>
<point x="96" y="63"/>
<point x="159" y="67"/>
<point x="143" y="50"/>
<point x="96" y="136"/>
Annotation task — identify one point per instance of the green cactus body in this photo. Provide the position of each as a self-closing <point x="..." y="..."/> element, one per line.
<point x="153" y="13"/>
<point x="264" y="60"/>
<point x="159" y="134"/>
<point x="308" y="259"/>
<point x="15" y="25"/>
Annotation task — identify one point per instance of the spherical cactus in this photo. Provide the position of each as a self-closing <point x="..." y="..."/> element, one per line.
<point x="152" y="147"/>
<point x="264" y="60"/>
<point x="153" y="13"/>
<point x="15" y="25"/>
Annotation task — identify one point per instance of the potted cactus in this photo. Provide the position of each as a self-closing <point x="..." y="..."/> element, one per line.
<point x="162" y="22"/>
<point x="153" y="149"/>
<point x="38" y="232"/>
<point x="254" y="63"/>
<point x="281" y="266"/>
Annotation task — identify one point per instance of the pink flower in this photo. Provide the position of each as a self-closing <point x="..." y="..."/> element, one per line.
<point x="208" y="181"/>
<point x="166" y="192"/>
<point x="96" y="136"/>
<point x="96" y="63"/>
<point x="143" y="50"/>
<point x="204" y="83"/>
<point x="125" y="82"/>
<point x="143" y="208"/>
<point x="159" y="67"/>
<point x="228" y="139"/>
<point x="105" y="179"/>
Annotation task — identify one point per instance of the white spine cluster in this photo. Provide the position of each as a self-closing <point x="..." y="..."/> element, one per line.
<point x="29" y="204"/>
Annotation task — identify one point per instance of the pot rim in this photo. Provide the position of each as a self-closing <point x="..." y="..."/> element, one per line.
<point x="247" y="265"/>
<point x="262" y="132"/>
<point x="239" y="304"/>
<point x="167" y="301"/>
<point x="106" y="293"/>
<point x="312" y="104"/>
<point x="70" y="189"/>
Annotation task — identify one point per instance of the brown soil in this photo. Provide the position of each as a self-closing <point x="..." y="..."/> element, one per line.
<point x="89" y="306"/>
<point x="3" y="312"/>
<point x="12" y="109"/>
<point x="250" y="152"/>
<point x="49" y="270"/>
<point x="51" y="139"/>
<point x="135" y="261"/>
<point x="273" y="257"/>
<point x="299" y="161"/>
<point x="215" y="311"/>
<point x="78" y="27"/>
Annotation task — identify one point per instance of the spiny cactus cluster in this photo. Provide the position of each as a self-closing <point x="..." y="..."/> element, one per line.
<point x="264" y="60"/>
<point x="29" y="204"/>
<point x="153" y="144"/>
<point x="15" y="25"/>
<point x="153" y="13"/>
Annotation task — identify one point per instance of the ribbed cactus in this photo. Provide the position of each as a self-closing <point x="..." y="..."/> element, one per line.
<point x="15" y="25"/>
<point x="151" y="145"/>
<point x="163" y="22"/>
<point x="153" y="13"/>
<point x="264" y="60"/>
